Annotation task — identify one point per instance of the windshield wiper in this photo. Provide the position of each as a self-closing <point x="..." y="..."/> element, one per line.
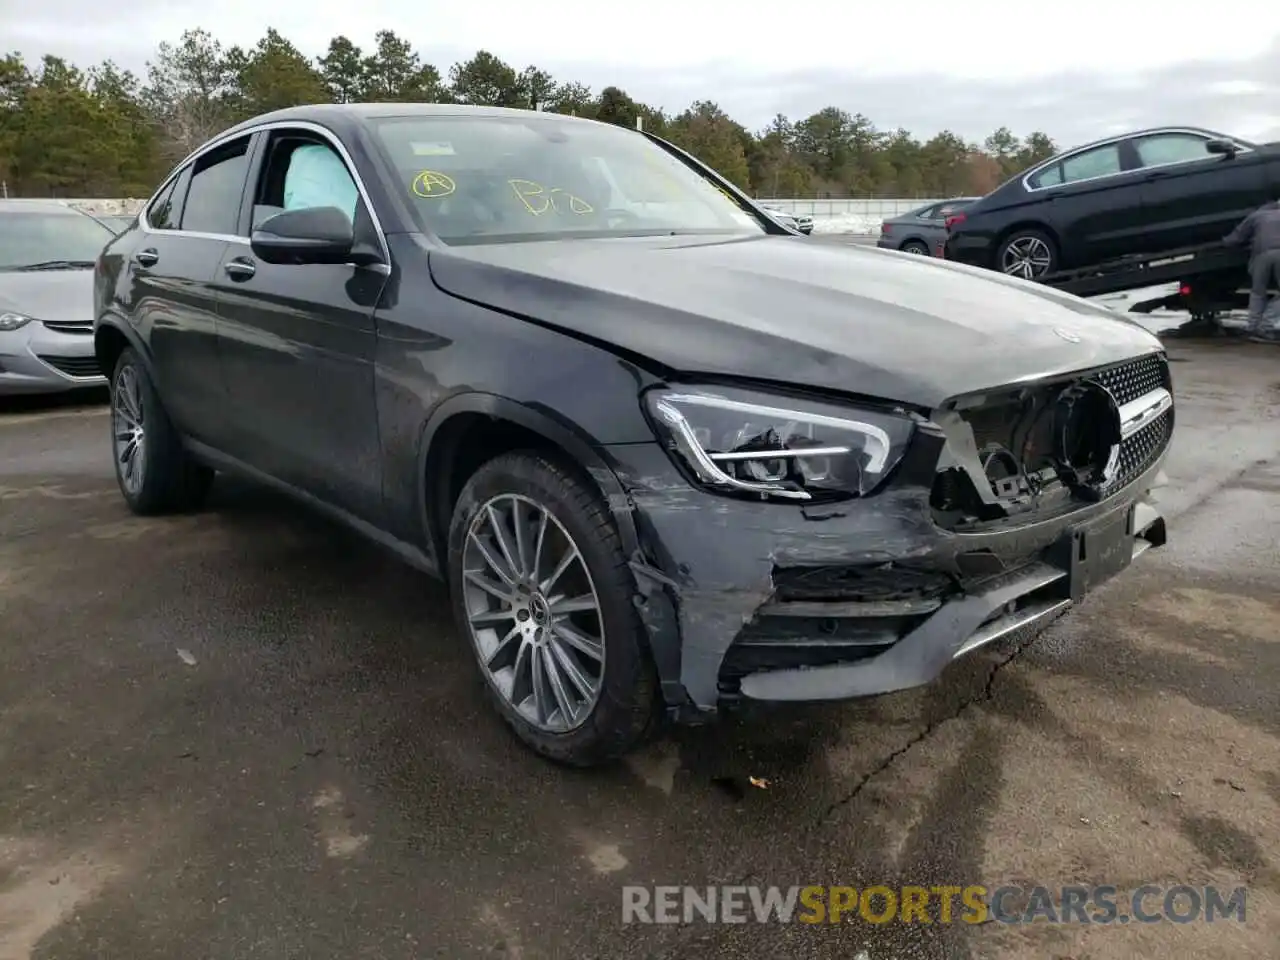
<point x="57" y="265"/>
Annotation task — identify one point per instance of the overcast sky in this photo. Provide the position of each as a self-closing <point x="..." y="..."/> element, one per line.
<point x="1078" y="70"/>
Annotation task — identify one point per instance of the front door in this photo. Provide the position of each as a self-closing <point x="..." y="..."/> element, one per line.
<point x="298" y="341"/>
<point x="1190" y="196"/>
<point x="1095" y="205"/>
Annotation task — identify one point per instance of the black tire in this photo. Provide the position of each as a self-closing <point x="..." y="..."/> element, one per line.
<point x="916" y="247"/>
<point x="627" y="710"/>
<point x="1029" y="238"/>
<point x="171" y="481"/>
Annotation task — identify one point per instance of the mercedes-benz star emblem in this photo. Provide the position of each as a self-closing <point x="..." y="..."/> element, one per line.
<point x="1066" y="335"/>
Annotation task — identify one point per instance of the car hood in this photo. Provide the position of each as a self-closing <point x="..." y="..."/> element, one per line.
<point x="838" y="317"/>
<point x="65" y="295"/>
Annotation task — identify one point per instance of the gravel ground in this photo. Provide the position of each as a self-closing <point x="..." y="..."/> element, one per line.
<point x="246" y="734"/>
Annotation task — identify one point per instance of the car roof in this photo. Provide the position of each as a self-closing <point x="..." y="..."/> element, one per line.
<point x="38" y="206"/>
<point x="358" y="112"/>
<point x="1146" y="132"/>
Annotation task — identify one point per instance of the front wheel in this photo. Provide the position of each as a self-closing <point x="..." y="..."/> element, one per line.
<point x="154" y="471"/>
<point x="542" y="588"/>
<point x="1028" y="254"/>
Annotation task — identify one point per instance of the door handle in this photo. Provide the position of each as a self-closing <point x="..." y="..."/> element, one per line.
<point x="146" y="258"/>
<point x="241" y="268"/>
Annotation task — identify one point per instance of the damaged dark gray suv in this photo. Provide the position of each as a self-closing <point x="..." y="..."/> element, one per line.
<point x="667" y="453"/>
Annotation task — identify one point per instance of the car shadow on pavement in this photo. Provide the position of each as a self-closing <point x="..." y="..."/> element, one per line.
<point x="52" y="402"/>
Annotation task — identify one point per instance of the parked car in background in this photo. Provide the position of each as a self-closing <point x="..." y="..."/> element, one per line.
<point x="665" y="457"/>
<point x="921" y="231"/>
<point x="1142" y="193"/>
<point x="796" y="221"/>
<point x="47" y="254"/>
<point x="116" y="222"/>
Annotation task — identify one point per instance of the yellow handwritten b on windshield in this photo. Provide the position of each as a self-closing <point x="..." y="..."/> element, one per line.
<point x="532" y="195"/>
<point x="429" y="184"/>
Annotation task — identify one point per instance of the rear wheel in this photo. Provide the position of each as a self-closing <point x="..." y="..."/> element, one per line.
<point x="1028" y="254"/>
<point x="154" y="471"/>
<point x="541" y="586"/>
<point x="915" y="246"/>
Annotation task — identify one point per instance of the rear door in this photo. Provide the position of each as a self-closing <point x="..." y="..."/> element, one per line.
<point x="1094" y="204"/>
<point x="172" y="265"/>
<point x="298" y="341"/>
<point x="1190" y="196"/>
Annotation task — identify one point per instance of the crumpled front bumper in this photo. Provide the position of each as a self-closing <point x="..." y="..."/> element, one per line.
<point x="763" y="601"/>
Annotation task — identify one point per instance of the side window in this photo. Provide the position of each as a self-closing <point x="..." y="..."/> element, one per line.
<point x="302" y="172"/>
<point x="1164" y="148"/>
<point x="161" y="213"/>
<point x="929" y="213"/>
<point x="1098" y="162"/>
<point x="217" y="184"/>
<point x="1048" y="177"/>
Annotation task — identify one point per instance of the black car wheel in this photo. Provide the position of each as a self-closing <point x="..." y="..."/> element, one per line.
<point x="915" y="246"/>
<point x="541" y="585"/>
<point x="1028" y="254"/>
<point x="154" y="471"/>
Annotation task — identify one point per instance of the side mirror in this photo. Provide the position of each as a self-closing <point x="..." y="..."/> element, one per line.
<point x="1225" y="147"/>
<point x="310" y="235"/>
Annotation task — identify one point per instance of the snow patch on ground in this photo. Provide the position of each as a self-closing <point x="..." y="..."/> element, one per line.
<point x="855" y="223"/>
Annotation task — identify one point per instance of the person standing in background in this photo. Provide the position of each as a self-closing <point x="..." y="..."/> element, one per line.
<point x="1260" y="230"/>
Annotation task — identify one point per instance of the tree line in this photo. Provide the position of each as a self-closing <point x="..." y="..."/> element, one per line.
<point x="100" y="131"/>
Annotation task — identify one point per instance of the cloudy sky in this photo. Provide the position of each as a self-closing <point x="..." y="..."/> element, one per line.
<point x="1078" y="71"/>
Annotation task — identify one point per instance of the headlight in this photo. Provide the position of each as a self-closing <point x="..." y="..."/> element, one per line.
<point x="734" y="441"/>
<point x="12" y="321"/>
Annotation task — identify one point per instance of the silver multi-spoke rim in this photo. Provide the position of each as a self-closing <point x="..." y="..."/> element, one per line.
<point x="533" y="613"/>
<point x="1026" y="257"/>
<point x="128" y="429"/>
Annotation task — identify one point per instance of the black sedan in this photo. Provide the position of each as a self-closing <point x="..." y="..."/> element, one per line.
<point x="666" y="453"/>
<point x="1143" y="193"/>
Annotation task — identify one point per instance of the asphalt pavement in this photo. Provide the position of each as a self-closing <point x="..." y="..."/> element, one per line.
<point x="247" y="734"/>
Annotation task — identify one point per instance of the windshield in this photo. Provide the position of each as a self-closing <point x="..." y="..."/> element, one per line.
<point x="38" y="237"/>
<point x="494" y="179"/>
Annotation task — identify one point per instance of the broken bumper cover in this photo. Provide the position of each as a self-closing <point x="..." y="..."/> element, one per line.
<point x="764" y="601"/>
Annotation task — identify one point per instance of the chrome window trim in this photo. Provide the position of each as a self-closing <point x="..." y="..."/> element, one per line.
<point x="1205" y="134"/>
<point x="309" y="126"/>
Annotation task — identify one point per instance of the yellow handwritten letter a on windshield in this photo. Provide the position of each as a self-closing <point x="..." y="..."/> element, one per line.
<point x="532" y="195"/>
<point x="429" y="185"/>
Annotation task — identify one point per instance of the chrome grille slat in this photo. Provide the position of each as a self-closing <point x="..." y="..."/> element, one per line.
<point x="1142" y="449"/>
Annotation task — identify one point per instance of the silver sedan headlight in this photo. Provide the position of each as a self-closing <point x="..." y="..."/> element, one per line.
<point x="10" y="321"/>
<point x="741" y="442"/>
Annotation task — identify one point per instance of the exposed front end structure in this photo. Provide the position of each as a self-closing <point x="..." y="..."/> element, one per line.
<point x="1008" y="506"/>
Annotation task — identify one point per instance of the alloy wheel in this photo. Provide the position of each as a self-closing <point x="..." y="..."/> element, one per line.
<point x="128" y="429"/>
<point x="533" y="613"/>
<point x="1026" y="257"/>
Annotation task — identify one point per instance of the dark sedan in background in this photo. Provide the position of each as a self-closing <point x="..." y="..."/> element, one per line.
<point x="921" y="231"/>
<point x="1142" y="193"/>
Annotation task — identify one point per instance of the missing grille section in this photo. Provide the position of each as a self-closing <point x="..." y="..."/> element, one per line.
<point x="1005" y="450"/>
